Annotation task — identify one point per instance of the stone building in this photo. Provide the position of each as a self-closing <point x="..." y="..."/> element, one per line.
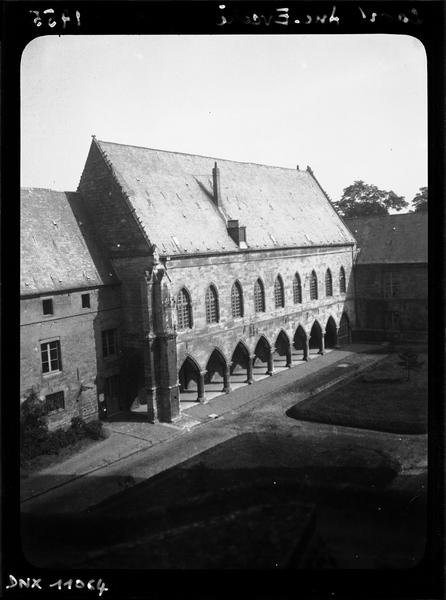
<point x="70" y="309"/>
<point x="391" y="277"/>
<point x="220" y="267"/>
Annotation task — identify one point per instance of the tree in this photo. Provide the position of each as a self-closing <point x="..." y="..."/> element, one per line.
<point x="362" y="200"/>
<point x="420" y="200"/>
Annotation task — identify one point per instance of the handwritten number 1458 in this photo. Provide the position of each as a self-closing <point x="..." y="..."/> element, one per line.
<point x="48" y="20"/>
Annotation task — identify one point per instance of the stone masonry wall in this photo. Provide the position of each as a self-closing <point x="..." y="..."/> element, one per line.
<point x="79" y="332"/>
<point x="409" y="305"/>
<point x="196" y="274"/>
<point x="112" y="218"/>
<point x="135" y="325"/>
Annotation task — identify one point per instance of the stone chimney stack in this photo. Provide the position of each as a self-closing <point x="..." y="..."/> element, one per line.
<point x="216" y="184"/>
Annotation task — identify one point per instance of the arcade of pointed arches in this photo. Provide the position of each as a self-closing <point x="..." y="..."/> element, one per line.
<point x="245" y="366"/>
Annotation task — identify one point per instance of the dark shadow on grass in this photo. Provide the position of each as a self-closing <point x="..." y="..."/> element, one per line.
<point x="223" y="530"/>
<point x="252" y="458"/>
<point x="330" y="414"/>
<point x="228" y="484"/>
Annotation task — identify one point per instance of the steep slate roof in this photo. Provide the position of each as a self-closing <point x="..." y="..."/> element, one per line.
<point x="391" y="238"/>
<point x="172" y="196"/>
<point x="57" y="251"/>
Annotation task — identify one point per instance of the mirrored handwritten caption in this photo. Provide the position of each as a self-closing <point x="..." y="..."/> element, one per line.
<point x="31" y="583"/>
<point x="285" y="17"/>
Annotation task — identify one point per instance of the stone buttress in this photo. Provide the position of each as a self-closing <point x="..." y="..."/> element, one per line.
<point x="160" y="353"/>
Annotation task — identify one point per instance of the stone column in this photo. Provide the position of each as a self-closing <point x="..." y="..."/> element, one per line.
<point x="226" y="383"/>
<point x="306" y="348"/>
<point x="322" y="347"/>
<point x="289" y="357"/>
<point x="201" y="390"/>
<point x="337" y="346"/>
<point x="149" y="390"/>
<point x="250" y="379"/>
<point x="270" y="362"/>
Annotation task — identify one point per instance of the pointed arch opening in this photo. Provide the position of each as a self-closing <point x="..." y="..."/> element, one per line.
<point x="313" y="286"/>
<point x="215" y="367"/>
<point x="189" y="379"/>
<point x="236" y="300"/>
<point x="344" y="333"/>
<point x="263" y="357"/>
<point x="300" y="343"/>
<point x="328" y="283"/>
<point x="316" y="339"/>
<point x="259" y="296"/>
<point x="282" y="353"/>
<point x="216" y="378"/>
<point x="331" y="333"/>
<point x="279" y="292"/>
<point x="212" y="308"/>
<point x="241" y="364"/>
<point x="297" y="289"/>
<point x="342" y="284"/>
<point x="184" y="309"/>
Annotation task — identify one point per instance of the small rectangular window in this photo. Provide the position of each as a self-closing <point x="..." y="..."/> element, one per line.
<point x="85" y="300"/>
<point x="108" y="342"/>
<point x="55" y="402"/>
<point x="47" y="306"/>
<point x="50" y="354"/>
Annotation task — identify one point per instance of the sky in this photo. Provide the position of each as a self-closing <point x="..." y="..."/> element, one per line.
<point x="352" y="106"/>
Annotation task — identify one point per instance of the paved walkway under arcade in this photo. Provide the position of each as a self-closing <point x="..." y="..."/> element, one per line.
<point x="237" y="379"/>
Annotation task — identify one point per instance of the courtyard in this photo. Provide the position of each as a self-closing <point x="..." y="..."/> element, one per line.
<point x="366" y="487"/>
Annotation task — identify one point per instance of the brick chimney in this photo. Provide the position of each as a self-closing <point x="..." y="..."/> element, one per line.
<point x="216" y="185"/>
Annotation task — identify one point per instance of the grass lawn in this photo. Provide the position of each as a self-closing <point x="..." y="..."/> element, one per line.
<point x="382" y="399"/>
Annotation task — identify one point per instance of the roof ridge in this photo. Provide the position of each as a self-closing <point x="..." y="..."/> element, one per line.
<point x="242" y="162"/>
<point x="385" y="216"/>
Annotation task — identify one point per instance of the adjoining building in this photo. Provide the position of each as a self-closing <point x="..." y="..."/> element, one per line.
<point x="391" y="277"/>
<point x="219" y="265"/>
<point x="70" y="309"/>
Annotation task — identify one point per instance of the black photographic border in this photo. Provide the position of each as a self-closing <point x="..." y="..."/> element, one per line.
<point x="145" y="17"/>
